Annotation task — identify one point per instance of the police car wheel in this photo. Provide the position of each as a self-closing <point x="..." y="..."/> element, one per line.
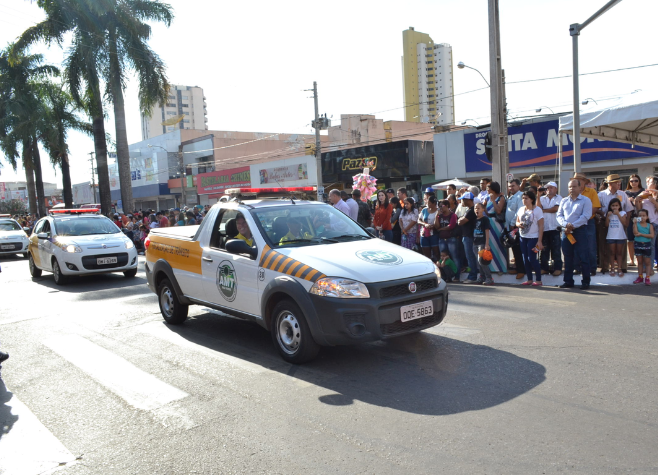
<point x="34" y="270"/>
<point x="130" y="273"/>
<point x="172" y="310"/>
<point x="60" y="279"/>
<point x="291" y="333"/>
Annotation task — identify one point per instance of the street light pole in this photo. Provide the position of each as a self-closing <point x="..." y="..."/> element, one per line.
<point x="574" y="31"/>
<point x="318" y="150"/>
<point x="183" y="174"/>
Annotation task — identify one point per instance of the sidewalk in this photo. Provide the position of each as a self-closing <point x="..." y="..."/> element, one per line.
<point x="598" y="279"/>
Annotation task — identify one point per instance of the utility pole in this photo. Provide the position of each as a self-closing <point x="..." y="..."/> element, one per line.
<point x="499" y="149"/>
<point x="93" y="176"/>
<point x="183" y="174"/>
<point x="320" y="123"/>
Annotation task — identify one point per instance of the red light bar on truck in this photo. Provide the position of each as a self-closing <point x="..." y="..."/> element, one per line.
<point x="231" y="191"/>
<point x="75" y="211"/>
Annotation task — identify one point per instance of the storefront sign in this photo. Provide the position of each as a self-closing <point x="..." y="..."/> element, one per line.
<point x="536" y="144"/>
<point x="216" y="182"/>
<point x="279" y="175"/>
<point x="359" y="163"/>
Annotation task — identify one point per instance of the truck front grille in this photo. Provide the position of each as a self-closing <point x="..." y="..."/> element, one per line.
<point x="403" y="289"/>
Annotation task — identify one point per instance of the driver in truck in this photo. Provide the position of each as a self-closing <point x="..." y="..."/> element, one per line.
<point x="243" y="230"/>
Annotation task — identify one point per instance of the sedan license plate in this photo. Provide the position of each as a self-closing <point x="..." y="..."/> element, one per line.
<point x="7" y="246"/>
<point x="106" y="260"/>
<point x="416" y="310"/>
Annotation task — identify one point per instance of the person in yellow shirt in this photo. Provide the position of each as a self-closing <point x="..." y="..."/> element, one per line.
<point x="591" y="223"/>
<point x="294" y="232"/>
<point x="243" y="230"/>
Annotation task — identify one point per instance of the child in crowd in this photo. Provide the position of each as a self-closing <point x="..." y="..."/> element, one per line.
<point x="447" y="267"/>
<point x="481" y="234"/>
<point x="616" y="220"/>
<point x="644" y="238"/>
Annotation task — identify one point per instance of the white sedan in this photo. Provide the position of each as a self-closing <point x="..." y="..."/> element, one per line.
<point x="13" y="239"/>
<point x="69" y="245"/>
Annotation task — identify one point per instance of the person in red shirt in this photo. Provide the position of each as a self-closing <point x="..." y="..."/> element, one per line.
<point x="164" y="221"/>
<point x="382" y="220"/>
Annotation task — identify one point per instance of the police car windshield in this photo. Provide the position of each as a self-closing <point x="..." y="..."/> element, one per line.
<point x="9" y="226"/>
<point x="306" y="225"/>
<point x="84" y="226"/>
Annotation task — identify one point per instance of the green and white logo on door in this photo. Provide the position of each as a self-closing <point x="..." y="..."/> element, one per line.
<point x="227" y="281"/>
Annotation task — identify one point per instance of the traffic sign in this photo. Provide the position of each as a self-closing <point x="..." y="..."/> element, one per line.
<point x="510" y="177"/>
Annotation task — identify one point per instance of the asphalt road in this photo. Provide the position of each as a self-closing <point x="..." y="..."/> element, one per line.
<point x="517" y="380"/>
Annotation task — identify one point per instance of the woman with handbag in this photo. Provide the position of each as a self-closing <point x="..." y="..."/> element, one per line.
<point x="496" y="205"/>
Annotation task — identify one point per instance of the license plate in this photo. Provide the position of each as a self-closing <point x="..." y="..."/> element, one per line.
<point x="106" y="260"/>
<point x="7" y="246"/>
<point x="416" y="310"/>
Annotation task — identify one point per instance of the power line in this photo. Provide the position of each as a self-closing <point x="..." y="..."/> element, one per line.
<point x="583" y="74"/>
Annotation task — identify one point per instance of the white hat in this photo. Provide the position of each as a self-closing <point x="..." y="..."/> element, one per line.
<point x="551" y="183"/>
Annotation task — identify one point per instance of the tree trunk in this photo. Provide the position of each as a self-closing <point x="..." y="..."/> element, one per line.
<point x="29" y="177"/>
<point x="123" y="153"/>
<point x="38" y="178"/>
<point x="100" y="148"/>
<point x="66" y="181"/>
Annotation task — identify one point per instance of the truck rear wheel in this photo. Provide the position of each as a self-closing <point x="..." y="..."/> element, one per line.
<point x="291" y="334"/>
<point x="172" y="310"/>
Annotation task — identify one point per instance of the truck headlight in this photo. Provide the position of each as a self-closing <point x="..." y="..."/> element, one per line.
<point x="340" y="288"/>
<point x="129" y="244"/>
<point x="72" y="248"/>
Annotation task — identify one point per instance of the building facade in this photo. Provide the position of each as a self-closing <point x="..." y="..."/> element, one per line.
<point x="185" y="109"/>
<point x="427" y="79"/>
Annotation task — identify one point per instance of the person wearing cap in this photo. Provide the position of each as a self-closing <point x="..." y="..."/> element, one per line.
<point x="573" y="214"/>
<point x="390" y="193"/>
<point x="550" y="203"/>
<point x="514" y="202"/>
<point x="590" y="193"/>
<point x="429" y="191"/>
<point x="605" y="196"/>
<point x="467" y="224"/>
<point x="532" y="180"/>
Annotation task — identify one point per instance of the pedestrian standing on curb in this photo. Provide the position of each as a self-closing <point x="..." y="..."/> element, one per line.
<point x="408" y="223"/>
<point x="615" y="222"/>
<point x="382" y="219"/>
<point x="395" y="221"/>
<point x="530" y="221"/>
<point x="351" y="204"/>
<point x="429" y="237"/>
<point x="648" y="200"/>
<point x="644" y="238"/>
<point x="550" y="203"/>
<point x="572" y="215"/>
<point x="467" y="224"/>
<point x="496" y="205"/>
<point x="633" y="188"/>
<point x="593" y="196"/>
<point x="364" y="216"/>
<point x="448" y="231"/>
<point x="514" y="202"/>
<point x="481" y="237"/>
<point x="605" y="198"/>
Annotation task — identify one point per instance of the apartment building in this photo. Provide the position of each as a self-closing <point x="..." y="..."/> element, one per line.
<point x="185" y="109"/>
<point x="428" y="88"/>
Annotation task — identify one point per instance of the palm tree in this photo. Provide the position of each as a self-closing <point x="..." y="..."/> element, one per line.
<point x="111" y="39"/>
<point x="22" y="117"/>
<point x="61" y="117"/>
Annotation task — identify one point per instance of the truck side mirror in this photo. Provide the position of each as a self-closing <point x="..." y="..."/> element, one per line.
<point x="238" y="246"/>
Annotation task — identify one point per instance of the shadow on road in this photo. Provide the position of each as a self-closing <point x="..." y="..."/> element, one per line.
<point x="88" y="286"/>
<point x="422" y="373"/>
<point x="7" y="419"/>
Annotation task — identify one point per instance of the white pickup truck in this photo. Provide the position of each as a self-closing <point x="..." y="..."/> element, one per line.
<point x="300" y="269"/>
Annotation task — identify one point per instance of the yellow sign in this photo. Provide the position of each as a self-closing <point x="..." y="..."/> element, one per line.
<point x="359" y="163"/>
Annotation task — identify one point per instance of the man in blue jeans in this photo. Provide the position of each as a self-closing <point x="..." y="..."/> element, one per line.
<point x="572" y="215"/>
<point x="467" y="223"/>
<point x="550" y="203"/>
<point x="447" y="240"/>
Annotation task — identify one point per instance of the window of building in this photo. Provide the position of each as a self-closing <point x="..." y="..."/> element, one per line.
<point x="172" y="97"/>
<point x="186" y="121"/>
<point x="185" y="105"/>
<point x="184" y="97"/>
<point x="171" y="113"/>
<point x="186" y="113"/>
<point x="171" y="105"/>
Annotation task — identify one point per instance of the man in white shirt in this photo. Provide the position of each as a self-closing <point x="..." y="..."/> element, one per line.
<point x="605" y="197"/>
<point x="353" y="205"/>
<point x="484" y="194"/>
<point x="337" y="201"/>
<point x="550" y="203"/>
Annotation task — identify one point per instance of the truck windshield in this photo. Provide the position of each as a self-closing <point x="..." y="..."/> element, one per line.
<point x="304" y="225"/>
<point x="84" y="226"/>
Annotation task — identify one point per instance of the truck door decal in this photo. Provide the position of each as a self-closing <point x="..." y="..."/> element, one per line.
<point x="227" y="281"/>
<point x="273" y="260"/>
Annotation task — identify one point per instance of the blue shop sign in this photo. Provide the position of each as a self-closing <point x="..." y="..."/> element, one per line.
<point x="535" y="144"/>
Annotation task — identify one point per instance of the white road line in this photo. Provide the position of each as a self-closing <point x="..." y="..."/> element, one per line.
<point x="138" y="388"/>
<point x="29" y="448"/>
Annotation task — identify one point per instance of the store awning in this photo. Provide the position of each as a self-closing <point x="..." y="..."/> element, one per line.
<point x="634" y="120"/>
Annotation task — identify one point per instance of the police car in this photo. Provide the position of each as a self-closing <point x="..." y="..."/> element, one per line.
<point x="300" y="269"/>
<point x="79" y="242"/>
<point x="13" y="239"/>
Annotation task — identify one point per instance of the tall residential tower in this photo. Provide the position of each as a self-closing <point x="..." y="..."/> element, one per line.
<point x="185" y="109"/>
<point x="427" y="76"/>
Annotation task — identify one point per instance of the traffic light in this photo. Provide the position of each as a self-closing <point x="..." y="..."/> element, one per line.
<point x="487" y="145"/>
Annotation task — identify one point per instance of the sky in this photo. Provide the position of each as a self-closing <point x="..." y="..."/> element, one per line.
<point x="254" y="59"/>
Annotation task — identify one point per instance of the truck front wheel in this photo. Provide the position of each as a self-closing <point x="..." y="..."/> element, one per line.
<point x="291" y="334"/>
<point x="172" y="310"/>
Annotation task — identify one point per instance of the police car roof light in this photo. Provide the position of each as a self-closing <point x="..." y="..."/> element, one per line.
<point x="74" y="211"/>
<point x="269" y="190"/>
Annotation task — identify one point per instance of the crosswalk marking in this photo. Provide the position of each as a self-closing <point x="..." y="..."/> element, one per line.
<point x="138" y="388"/>
<point x="29" y="448"/>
